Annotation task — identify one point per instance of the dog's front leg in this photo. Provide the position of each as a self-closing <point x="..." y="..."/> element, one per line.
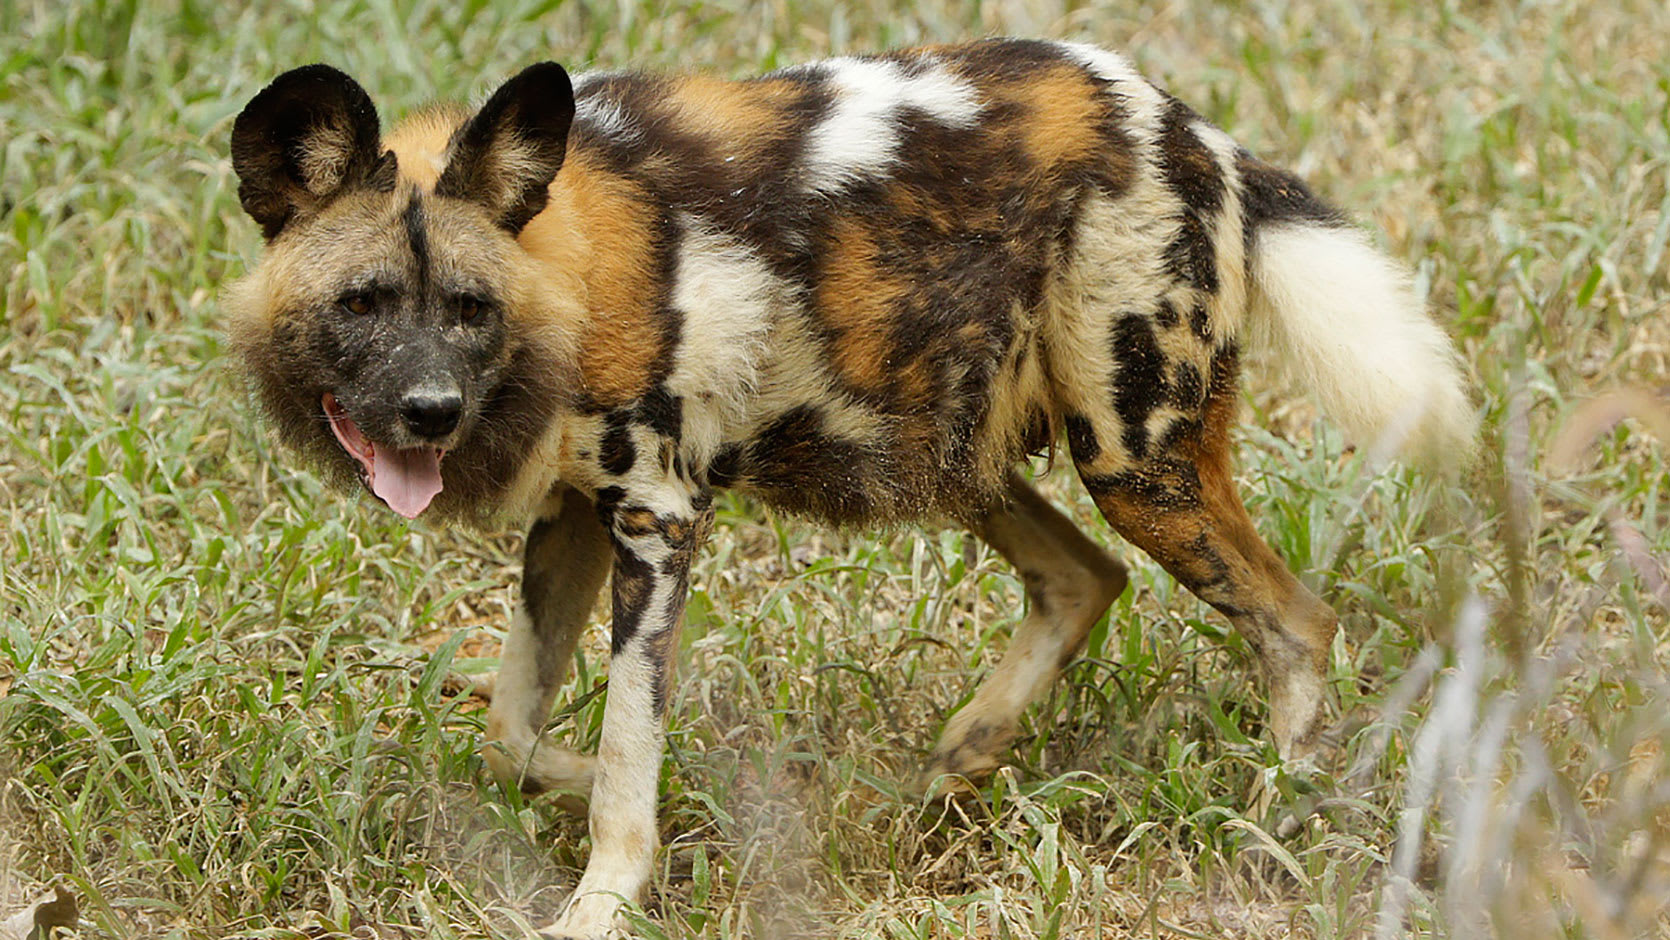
<point x="564" y="564"/>
<point x="654" y="532"/>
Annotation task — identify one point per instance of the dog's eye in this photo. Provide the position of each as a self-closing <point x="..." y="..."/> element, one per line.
<point x="358" y="304"/>
<point x="470" y="308"/>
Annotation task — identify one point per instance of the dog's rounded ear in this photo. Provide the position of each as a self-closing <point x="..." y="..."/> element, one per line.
<point x="507" y="155"/>
<point x="305" y="138"/>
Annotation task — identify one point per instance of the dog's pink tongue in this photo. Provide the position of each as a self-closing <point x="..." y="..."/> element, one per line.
<point x="406" y="479"/>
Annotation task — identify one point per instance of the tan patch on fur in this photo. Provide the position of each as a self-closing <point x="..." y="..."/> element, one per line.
<point x="324" y="157"/>
<point x="298" y="272"/>
<point x="1059" y="114"/>
<point x="636" y="522"/>
<point x="420" y="143"/>
<point x="930" y="206"/>
<point x="858" y="300"/>
<point x="739" y="118"/>
<point x="619" y="340"/>
<point x="1021" y="389"/>
<point x="1061" y="123"/>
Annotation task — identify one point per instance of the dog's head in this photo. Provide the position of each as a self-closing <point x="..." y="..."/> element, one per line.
<point x="386" y="328"/>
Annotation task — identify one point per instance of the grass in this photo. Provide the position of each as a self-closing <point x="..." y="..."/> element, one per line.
<point x="224" y="693"/>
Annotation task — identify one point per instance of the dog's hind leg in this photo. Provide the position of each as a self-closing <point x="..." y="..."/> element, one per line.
<point x="1070" y="581"/>
<point x="1178" y="503"/>
<point x="565" y="561"/>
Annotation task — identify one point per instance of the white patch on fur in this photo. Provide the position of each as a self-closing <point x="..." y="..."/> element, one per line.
<point x="860" y="136"/>
<point x="585" y="80"/>
<point x="1344" y="321"/>
<point x="729" y="299"/>
<point x="606" y="118"/>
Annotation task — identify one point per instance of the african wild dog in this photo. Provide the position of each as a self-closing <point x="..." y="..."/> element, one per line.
<point x="861" y="290"/>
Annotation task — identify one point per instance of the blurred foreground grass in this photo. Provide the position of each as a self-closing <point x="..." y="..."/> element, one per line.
<point x="223" y="699"/>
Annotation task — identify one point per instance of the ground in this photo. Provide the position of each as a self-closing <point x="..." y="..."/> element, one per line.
<point x="229" y="700"/>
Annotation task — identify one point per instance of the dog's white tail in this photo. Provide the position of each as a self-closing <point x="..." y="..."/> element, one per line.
<point x="1344" y="321"/>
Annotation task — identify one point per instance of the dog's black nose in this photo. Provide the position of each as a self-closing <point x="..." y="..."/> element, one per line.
<point x="431" y="413"/>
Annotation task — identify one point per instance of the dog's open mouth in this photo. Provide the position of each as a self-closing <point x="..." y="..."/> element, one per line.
<point x="407" y="480"/>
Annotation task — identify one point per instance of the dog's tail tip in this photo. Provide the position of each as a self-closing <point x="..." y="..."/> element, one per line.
<point x="1346" y="322"/>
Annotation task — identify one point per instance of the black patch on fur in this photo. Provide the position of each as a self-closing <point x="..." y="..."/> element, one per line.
<point x="385" y="174"/>
<point x="1225" y="369"/>
<point x="417" y="236"/>
<point x="1081" y="438"/>
<point x="724" y="469"/>
<point x="1272" y="194"/>
<point x="633" y="586"/>
<point x="1188" y="392"/>
<point x="1200" y="321"/>
<point x="1009" y="59"/>
<point x="1166" y="315"/>
<point x="607" y="502"/>
<point x="1192" y="172"/>
<point x="660" y="656"/>
<point x="1217" y="568"/>
<point x="617" y="454"/>
<point x="1037" y="435"/>
<point x="1164" y="482"/>
<point x="808" y="470"/>
<point x="662" y="411"/>
<point x="533" y="592"/>
<point x="1191" y="257"/>
<point x="1140" y="385"/>
<point x="1179" y="431"/>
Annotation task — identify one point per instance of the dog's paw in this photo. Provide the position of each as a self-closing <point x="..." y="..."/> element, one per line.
<point x="937" y="784"/>
<point x="592" y="916"/>
<point x="956" y="771"/>
<point x="478" y="686"/>
<point x="543" y="768"/>
<point x="1287" y="795"/>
